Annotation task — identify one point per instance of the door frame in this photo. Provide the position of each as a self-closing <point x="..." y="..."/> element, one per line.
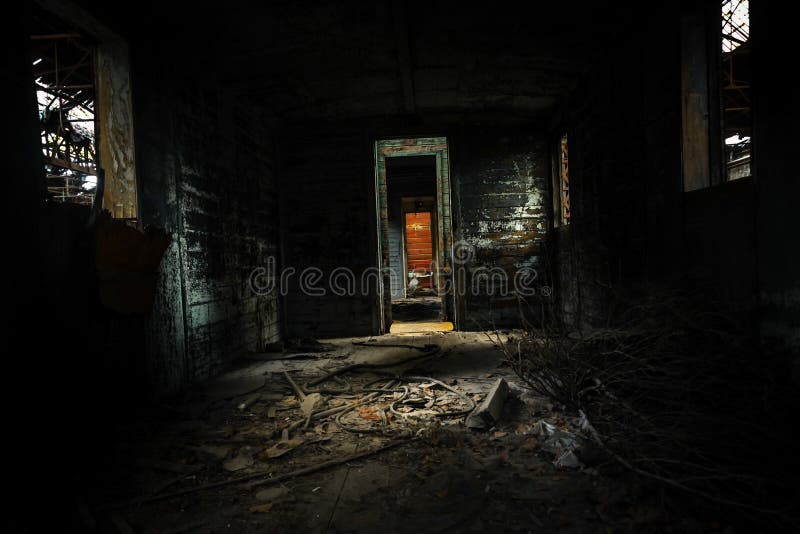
<point x="421" y="146"/>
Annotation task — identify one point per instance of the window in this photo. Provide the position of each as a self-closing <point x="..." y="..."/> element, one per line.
<point x="63" y="67"/>
<point x="82" y="81"/>
<point x="735" y="96"/>
<point x="561" y="196"/>
<point x="717" y="105"/>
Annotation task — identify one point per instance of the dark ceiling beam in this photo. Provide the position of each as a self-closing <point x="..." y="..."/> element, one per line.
<point x="53" y="36"/>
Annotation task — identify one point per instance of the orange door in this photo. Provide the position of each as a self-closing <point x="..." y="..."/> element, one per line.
<point x="419" y="247"/>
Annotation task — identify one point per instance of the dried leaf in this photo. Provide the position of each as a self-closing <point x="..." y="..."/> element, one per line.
<point x="238" y="462"/>
<point x="368" y="413"/>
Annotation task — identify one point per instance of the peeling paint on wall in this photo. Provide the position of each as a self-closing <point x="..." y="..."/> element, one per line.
<point x="503" y="184"/>
<point x="115" y="128"/>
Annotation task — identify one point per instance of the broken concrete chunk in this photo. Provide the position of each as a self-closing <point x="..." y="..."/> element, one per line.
<point x="241" y="461"/>
<point x="490" y="410"/>
<point x="312" y="402"/>
<point x="568" y="460"/>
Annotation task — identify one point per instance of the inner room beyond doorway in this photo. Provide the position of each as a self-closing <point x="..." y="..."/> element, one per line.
<point x="411" y="189"/>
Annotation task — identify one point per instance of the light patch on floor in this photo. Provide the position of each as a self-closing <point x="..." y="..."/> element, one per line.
<point x="399" y="327"/>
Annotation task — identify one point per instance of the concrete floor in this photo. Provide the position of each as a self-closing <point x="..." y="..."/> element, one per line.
<point x="448" y="479"/>
<point x="421" y="308"/>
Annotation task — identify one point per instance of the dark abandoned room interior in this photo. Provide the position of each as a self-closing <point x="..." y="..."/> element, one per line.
<point x="304" y="266"/>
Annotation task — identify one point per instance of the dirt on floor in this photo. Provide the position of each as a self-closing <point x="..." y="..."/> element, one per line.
<point x="365" y="435"/>
<point x="419" y="308"/>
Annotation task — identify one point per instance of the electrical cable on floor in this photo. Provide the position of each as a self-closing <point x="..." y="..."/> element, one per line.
<point x="395" y="387"/>
<point x="404" y="391"/>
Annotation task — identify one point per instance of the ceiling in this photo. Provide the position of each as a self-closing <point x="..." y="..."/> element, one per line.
<point x="334" y="60"/>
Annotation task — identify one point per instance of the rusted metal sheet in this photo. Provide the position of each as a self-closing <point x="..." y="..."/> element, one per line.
<point x="115" y="129"/>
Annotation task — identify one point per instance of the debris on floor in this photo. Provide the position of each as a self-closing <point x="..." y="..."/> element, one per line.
<point x="490" y="410"/>
<point x="379" y="439"/>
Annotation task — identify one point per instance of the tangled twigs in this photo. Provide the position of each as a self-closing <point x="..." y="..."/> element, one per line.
<point x="673" y="391"/>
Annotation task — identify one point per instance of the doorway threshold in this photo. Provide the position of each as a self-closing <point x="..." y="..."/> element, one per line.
<point x="413" y="327"/>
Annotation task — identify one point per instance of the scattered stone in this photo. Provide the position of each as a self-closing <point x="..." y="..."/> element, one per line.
<point x="568" y="460"/>
<point x="490" y="410"/>
<point x="311" y="403"/>
<point x="241" y="461"/>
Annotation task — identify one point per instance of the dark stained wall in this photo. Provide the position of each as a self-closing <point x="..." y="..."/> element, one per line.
<point x="328" y="221"/>
<point x="623" y="128"/>
<point x="500" y="198"/>
<point x="503" y="201"/>
<point x="205" y="170"/>
<point x="777" y="187"/>
<point x="208" y="171"/>
<point x="634" y="228"/>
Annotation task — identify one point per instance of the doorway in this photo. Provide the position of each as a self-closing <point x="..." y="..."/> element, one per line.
<point x="414" y="236"/>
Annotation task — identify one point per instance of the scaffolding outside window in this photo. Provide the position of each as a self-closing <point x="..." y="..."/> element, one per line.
<point x="735" y="24"/>
<point x="63" y="69"/>
<point x="735" y="93"/>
